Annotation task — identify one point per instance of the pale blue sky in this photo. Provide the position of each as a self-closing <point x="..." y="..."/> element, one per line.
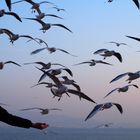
<point x="94" y="23"/>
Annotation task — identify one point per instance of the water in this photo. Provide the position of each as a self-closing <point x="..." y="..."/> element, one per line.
<point x="13" y="133"/>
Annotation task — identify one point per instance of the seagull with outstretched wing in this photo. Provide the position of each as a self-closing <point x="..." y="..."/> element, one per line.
<point x="101" y="107"/>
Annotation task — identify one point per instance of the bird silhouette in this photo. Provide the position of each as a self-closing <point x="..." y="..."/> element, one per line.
<point x="122" y="89"/>
<point x="13" y="37"/>
<point x="44" y="111"/>
<point x="108" y="53"/>
<point x="93" y="62"/>
<point x="101" y="107"/>
<point x="131" y="76"/>
<point x="117" y="43"/>
<point x="51" y="50"/>
<point x="2" y="64"/>
<point x="2" y="13"/>
<point x="47" y="26"/>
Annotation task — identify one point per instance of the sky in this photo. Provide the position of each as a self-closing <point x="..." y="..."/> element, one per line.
<point x="94" y="24"/>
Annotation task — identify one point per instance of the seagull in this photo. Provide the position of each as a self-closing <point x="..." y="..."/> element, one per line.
<point x="104" y="125"/>
<point x="51" y="50"/>
<point x="39" y="41"/>
<point x="2" y="13"/>
<point x="47" y="26"/>
<point x="8" y="3"/>
<point x="117" y="43"/>
<point x="35" y="6"/>
<point x="93" y="62"/>
<point x="132" y="76"/>
<point x="8" y="62"/>
<point x="107" y="53"/>
<point x="101" y="107"/>
<point x="13" y="37"/>
<point x="45" y="66"/>
<point x="43" y="111"/>
<point x="122" y="89"/>
<point x="59" y="9"/>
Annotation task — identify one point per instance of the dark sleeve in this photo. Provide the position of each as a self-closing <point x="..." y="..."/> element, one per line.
<point x="14" y="120"/>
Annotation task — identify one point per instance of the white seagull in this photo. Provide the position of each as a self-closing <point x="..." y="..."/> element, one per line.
<point x="101" y="107"/>
<point x="108" y="53"/>
<point x="122" y="89"/>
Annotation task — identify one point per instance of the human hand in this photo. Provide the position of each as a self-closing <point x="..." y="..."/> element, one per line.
<point x="39" y="125"/>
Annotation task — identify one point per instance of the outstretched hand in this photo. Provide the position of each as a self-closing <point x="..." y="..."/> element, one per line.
<point x="40" y="125"/>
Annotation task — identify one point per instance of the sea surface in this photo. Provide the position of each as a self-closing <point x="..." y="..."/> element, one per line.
<point x="13" y="133"/>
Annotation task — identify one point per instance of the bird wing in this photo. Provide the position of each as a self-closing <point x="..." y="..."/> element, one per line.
<point x="94" y="111"/>
<point x="14" y="14"/>
<point x="8" y="3"/>
<point x="80" y="94"/>
<point x="37" y="51"/>
<point x="41" y="63"/>
<point x="136" y="3"/>
<point x="100" y="61"/>
<point x="30" y="108"/>
<point x="69" y="71"/>
<point x="135" y="38"/>
<point x="111" y="92"/>
<point x="119" y="107"/>
<point x="133" y="85"/>
<point x="77" y="86"/>
<point x="118" y="55"/>
<point x="100" y="51"/>
<point x="58" y="64"/>
<point x="86" y="62"/>
<point x="55" y="109"/>
<point x="118" y="77"/>
<point x="66" y="52"/>
<point x="12" y="63"/>
<point x="60" y="25"/>
<point x="52" y="15"/>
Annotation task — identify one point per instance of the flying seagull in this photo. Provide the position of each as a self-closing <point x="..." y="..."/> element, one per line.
<point x="122" y="89"/>
<point x="93" y="62"/>
<point x="131" y="75"/>
<point x="47" y="26"/>
<point x="2" y="13"/>
<point x="43" y="111"/>
<point x="13" y="37"/>
<point x="108" y="53"/>
<point x="7" y="62"/>
<point x="51" y="50"/>
<point x="117" y="43"/>
<point x="101" y="107"/>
